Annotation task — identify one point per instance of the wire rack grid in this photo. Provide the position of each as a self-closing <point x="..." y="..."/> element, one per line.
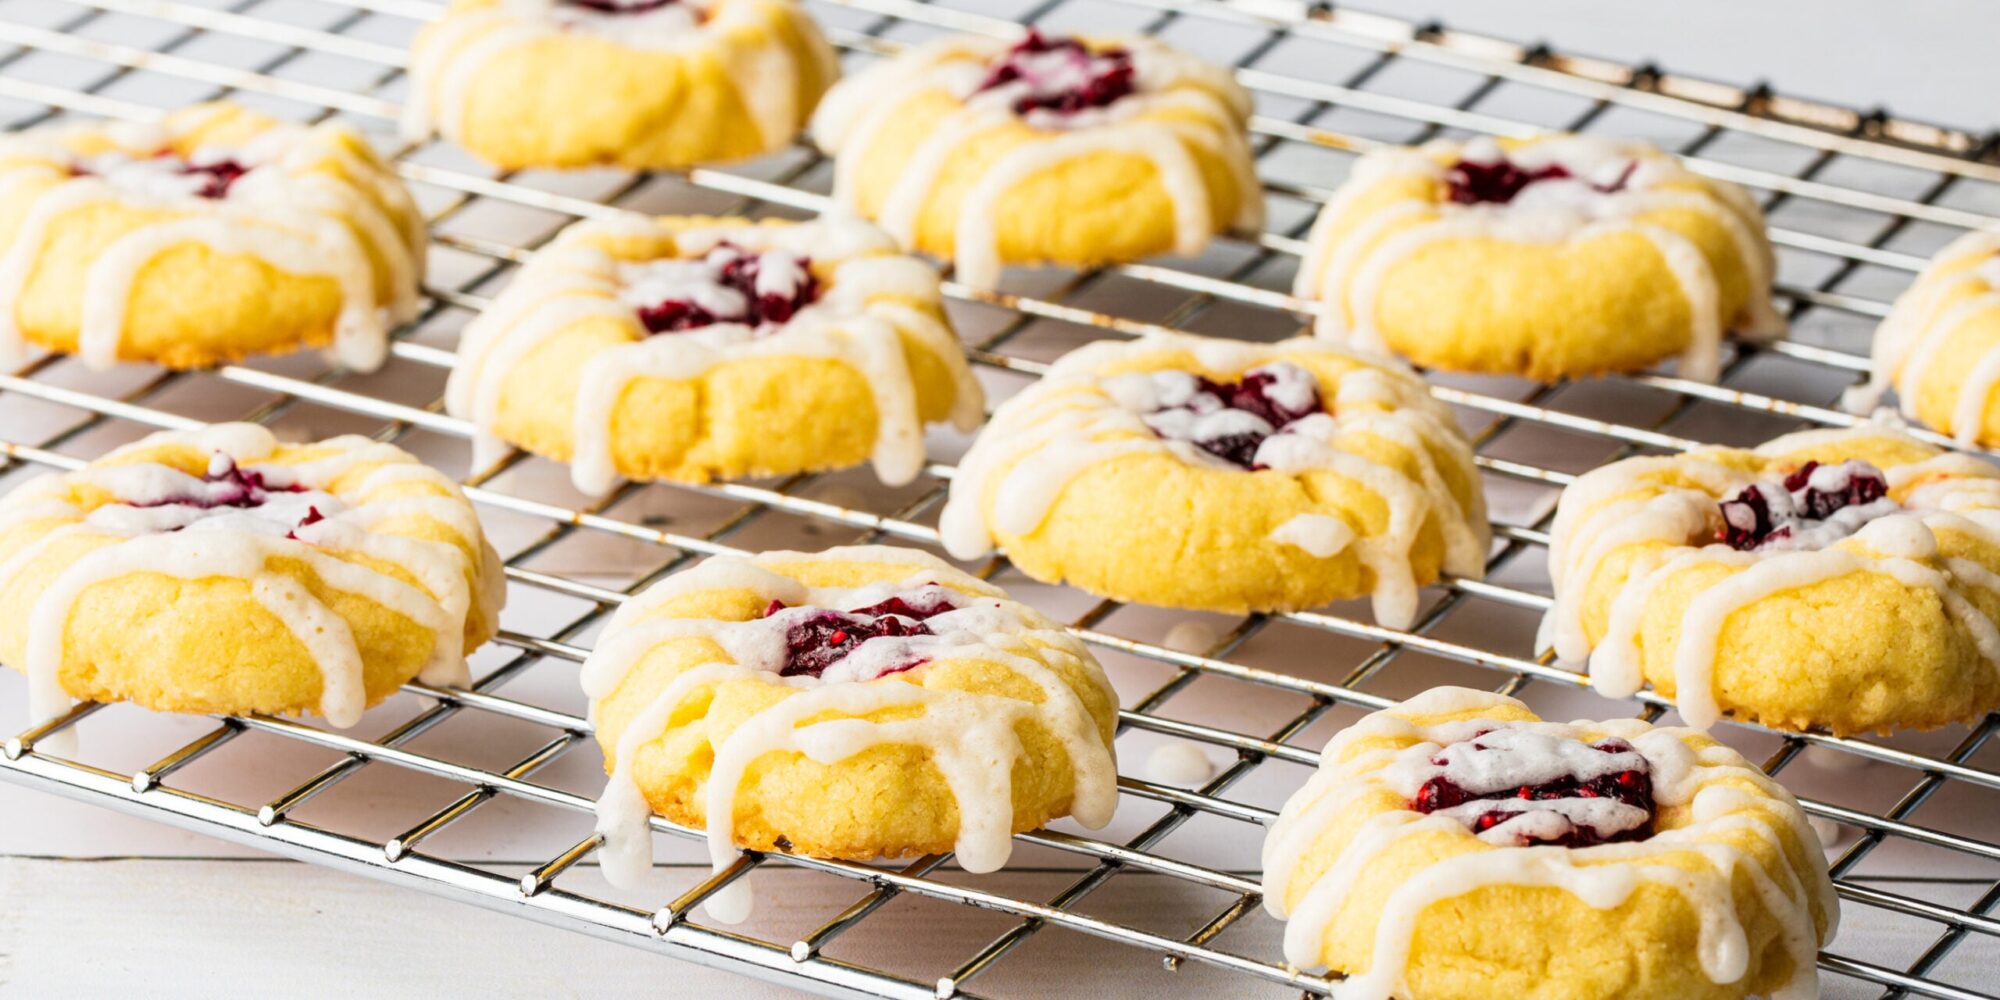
<point x="1856" y="202"/>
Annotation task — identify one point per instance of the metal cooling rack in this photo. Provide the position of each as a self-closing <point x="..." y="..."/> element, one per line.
<point x="1856" y="202"/>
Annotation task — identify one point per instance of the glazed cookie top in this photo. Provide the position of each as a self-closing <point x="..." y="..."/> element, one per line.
<point x="1080" y="96"/>
<point x="1549" y="189"/>
<point x="1594" y="809"/>
<point x="1796" y="510"/>
<point x="693" y="293"/>
<point x="309" y="200"/>
<point x="1285" y="409"/>
<point x="473" y="32"/>
<point x="861" y="660"/>
<point x="1961" y="282"/>
<point x="228" y="501"/>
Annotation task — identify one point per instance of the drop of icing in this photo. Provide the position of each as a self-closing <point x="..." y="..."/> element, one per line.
<point x="1177" y="763"/>
<point x="1831" y="834"/>
<point x="1192" y="636"/>
<point x="732" y="904"/>
<point x="1829" y="759"/>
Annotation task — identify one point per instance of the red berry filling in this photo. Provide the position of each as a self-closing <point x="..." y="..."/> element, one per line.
<point x="1631" y="786"/>
<point x="622" y="6"/>
<point x="728" y="285"/>
<point x="1273" y="397"/>
<point x="241" y="488"/>
<point x="1062" y="75"/>
<point x="235" y="488"/>
<point x="217" y="176"/>
<point x="220" y="175"/>
<point x="1500" y="181"/>
<point x="1801" y="511"/>
<point x="313" y="516"/>
<point x="823" y="638"/>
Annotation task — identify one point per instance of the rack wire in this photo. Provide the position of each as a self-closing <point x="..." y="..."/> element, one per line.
<point x="1856" y="200"/>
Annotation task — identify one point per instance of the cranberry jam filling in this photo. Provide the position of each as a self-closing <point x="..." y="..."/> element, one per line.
<point x="622" y="6"/>
<point x="727" y="285"/>
<point x="1230" y="420"/>
<point x="313" y="516"/>
<point x="234" y="487"/>
<point x="1062" y="75"/>
<point x="226" y="488"/>
<point x="1528" y="788"/>
<point x="1500" y="181"/>
<point x="218" y="176"/>
<point x="1814" y="506"/>
<point x="823" y="638"/>
<point x="215" y="177"/>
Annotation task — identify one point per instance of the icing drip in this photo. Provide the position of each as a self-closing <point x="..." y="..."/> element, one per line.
<point x="968" y="737"/>
<point x="1193" y="636"/>
<point x="1553" y="190"/>
<point x="230" y="522"/>
<point x="1959" y="287"/>
<point x="299" y="199"/>
<point x="1140" y="99"/>
<point x="1178" y="764"/>
<point x="450" y="58"/>
<point x="725" y="278"/>
<point x="1820" y="522"/>
<point x="1707" y="783"/>
<point x="1074" y="419"/>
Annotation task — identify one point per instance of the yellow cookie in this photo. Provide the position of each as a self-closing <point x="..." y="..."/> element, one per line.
<point x="1551" y="257"/>
<point x="854" y="703"/>
<point x="1838" y="579"/>
<point x="641" y="84"/>
<point x="1939" y="348"/>
<point x="1456" y="847"/>
<point x="214" y="234"/>
<point x="1047" y="150"/>
<point x="693" y="349"/>
<point x="1225" y="476"/>
<point x="221" y="571"/>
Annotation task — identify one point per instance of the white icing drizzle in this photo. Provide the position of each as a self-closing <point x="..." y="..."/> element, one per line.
<point x="1700" y="780"/>
<point x="969" y="737"/>
<point x="146" y="531"/>
<point x="1888" y="537"/>
<point x="1076" y="418"/>
<point x="1907" y="345"/>
<point x="859" y="319"/>
<point x="857" y="113"/>
<point x="1319" y="535"/>
<point x="452" y="56"/>
<point x="308" y="205"/>
<point x="1348" y="273"/>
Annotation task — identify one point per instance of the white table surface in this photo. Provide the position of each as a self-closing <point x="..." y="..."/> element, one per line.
<point x="98" y="904"/>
